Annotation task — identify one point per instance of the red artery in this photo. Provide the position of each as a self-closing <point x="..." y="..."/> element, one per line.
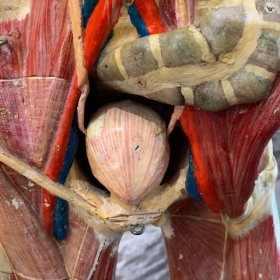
<point x="100" y="25"/>
<point x="149" y="12"/>
<point x="204" y="183"/>
<point x="48" y="202"/>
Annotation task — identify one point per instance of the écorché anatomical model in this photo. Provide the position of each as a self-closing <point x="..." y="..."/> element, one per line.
<point x="212" y="192"/>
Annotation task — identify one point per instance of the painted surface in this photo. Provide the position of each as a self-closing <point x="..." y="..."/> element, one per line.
<point x="100" y="25"/>
<point x="61" y="223"/>
<point x="128" y="150"/>
<point x="178" y="13"/>
<point x="227" y="191"/>
<point x="14" y="10"/>
<point x="191" y="185"/>
<point x="209" y="63"/>
<point x="88" y="254"/>
<point x="199" y="246"/>
<point x="137" y="21"/>
<point x="226" y="143"/>
<point x="150" y="14"/>
<point x="22" y="225"/>
<point x="88" y="8"/>
<point x="35" y="88"/>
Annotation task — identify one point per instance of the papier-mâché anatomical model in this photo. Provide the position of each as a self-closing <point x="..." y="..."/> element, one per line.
<point x="202" y="170"/>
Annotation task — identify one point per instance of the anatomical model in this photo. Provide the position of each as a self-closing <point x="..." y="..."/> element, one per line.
<point x="176" y="100"/>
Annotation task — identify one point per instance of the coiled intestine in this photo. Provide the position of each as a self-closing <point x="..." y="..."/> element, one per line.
<point x="229" y="56"/>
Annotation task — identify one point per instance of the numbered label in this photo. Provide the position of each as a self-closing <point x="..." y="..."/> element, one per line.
<point x="136" y="147"/>
<point x="270" y="7"/>
<point x="141" y="83"/>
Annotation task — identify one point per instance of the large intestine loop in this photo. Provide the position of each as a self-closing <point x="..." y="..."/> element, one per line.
<point x="217" y="62"/>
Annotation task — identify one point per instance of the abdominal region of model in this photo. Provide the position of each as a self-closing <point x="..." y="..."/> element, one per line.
<point x="118" y="114"/>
